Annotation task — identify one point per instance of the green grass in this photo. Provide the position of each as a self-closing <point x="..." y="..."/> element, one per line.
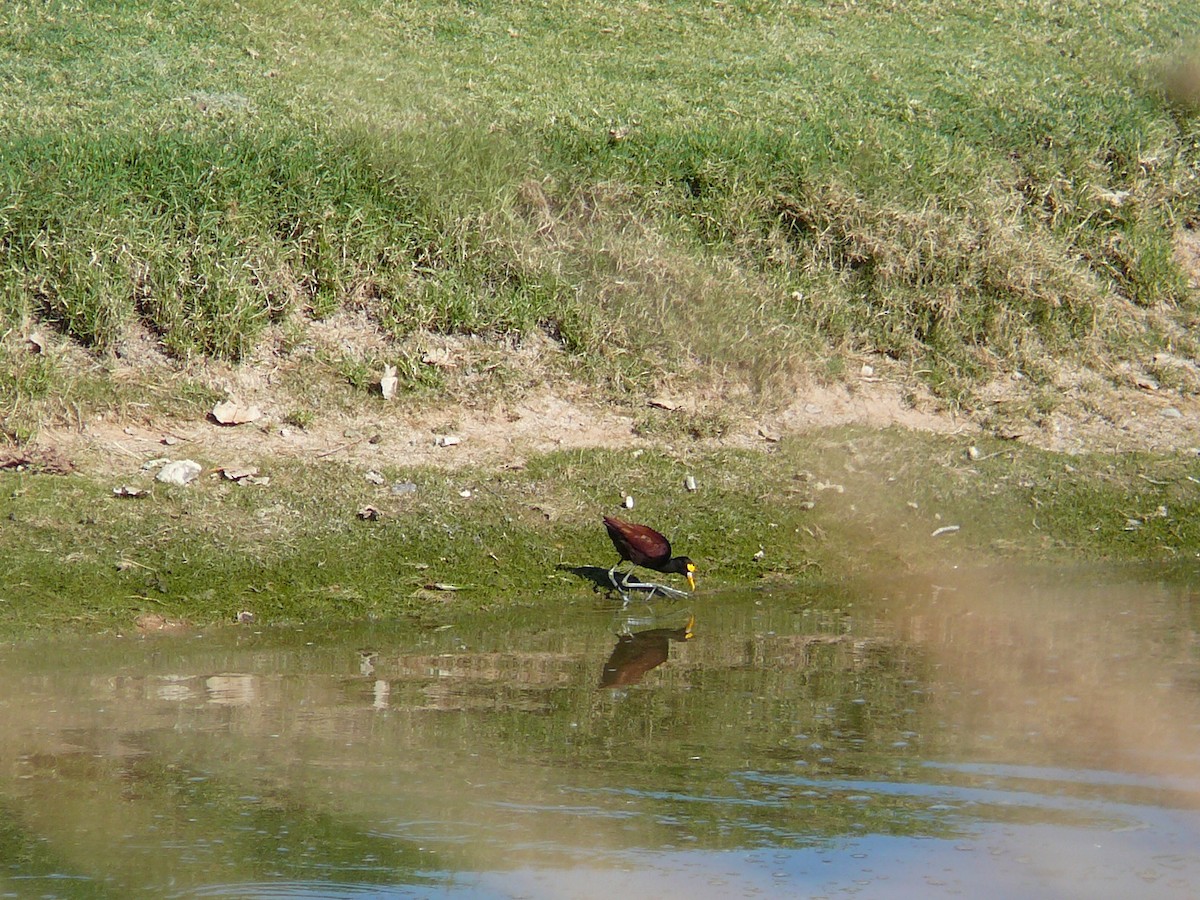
<point x="715" y="190"/>
<point x="817" y="514"/>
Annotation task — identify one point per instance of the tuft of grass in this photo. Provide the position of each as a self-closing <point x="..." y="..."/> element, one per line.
<point x="26" y="380"/>
<point x="694" y="425"/>
<point x="300" y="418"/>
<point x="59" y="383"/>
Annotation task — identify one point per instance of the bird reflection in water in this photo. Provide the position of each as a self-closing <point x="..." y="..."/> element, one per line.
<point x="637" y="652"/>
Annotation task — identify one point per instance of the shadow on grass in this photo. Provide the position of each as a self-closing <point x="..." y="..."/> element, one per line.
<point x="597" y="575"/>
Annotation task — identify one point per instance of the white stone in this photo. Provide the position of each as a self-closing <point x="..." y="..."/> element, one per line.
<point x="180" y="472"/>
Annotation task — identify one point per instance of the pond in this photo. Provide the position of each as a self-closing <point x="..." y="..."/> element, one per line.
<point x="993" y="733"/>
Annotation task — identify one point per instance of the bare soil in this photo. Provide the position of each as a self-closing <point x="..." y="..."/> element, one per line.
<point x="1091" y="416"/>
<point x="1148" y="405"/>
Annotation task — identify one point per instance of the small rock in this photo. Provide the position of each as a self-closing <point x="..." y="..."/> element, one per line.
<point x="369" y="514"/>
<point x="447" y="440"/>
<point x="690" y="483"/>
<point x="868" y="370"/>
<point x="768" y="435"/>
<point x="973" y="452"/>
<point x="237" y="473"/>
<point x="404" y="487"/>
<point x="1115" y="199"/>
<point x="126" y="490"/>
<point x="229" y="412"/>
<point x="628" y="502"/>
<point x="440" y="357"/>
<point x="180" y="473"/>
<point x="389" y="383"/>
<point x="1172" y="413"/>
<point x="245" y="617"/>
<point x="170" y="440"/>
<point x="375" y="477"/>
<point x="465" y="494"/>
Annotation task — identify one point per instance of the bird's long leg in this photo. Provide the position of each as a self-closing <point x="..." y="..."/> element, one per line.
<point x="655" y="588"/>
<point x="619" y="585"/>
<point x="612" y="575"/>
<point x="667" y="591"/>
<point x="624" y="585"/>
<point x="644" y="585"/>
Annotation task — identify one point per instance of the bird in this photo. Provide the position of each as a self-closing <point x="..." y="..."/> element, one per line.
<point x="638" y="653"/>
<point x="643" y="546"/>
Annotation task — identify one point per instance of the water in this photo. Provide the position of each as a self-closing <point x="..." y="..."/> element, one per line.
<point x="990" y="734"/>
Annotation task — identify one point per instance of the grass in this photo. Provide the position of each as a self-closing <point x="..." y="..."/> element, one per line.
<point x="720" y="191"/>
<point x="817" y="513"/>
<point x="682" y="197"/>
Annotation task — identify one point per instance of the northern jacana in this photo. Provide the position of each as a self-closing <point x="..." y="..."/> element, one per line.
<point x="645" y="547"/>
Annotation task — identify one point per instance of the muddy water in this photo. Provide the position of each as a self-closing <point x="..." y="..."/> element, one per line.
<point x="991" y="734"/>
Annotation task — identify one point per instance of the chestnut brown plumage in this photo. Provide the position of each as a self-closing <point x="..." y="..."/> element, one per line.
<point x="643" y="546"/>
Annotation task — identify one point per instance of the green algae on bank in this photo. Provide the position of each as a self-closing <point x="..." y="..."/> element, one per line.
<point x="817" y="509"/>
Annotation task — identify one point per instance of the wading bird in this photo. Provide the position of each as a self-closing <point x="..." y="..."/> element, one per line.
<point x="645" y="547"/>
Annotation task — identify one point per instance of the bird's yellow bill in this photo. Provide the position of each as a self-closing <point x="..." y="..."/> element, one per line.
<point x="691" y="577"/>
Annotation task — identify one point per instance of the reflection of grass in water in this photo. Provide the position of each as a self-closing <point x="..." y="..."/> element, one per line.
<point x="738" y="814"/>
<point x="171" y="823"/>
<point x="793" y="718"/>
<point x="28" y="856"/>
<point x="514" y="717"/>
<point x="947" y="803"/>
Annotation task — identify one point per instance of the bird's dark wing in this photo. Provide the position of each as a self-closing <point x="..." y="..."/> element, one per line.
<point x="646" y="541"/>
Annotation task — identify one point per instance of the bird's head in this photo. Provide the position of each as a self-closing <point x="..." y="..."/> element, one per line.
<point x="687" y="569"/>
